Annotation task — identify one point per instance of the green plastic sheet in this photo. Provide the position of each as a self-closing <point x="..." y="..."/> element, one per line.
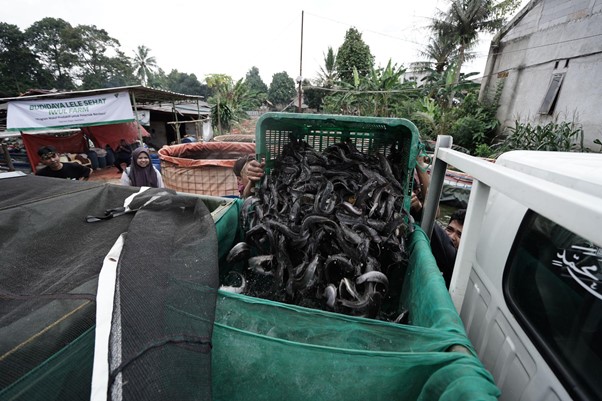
<point x="265" y="350"/>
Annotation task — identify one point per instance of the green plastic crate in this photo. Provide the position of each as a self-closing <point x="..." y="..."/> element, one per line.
<point x="369" y="134"/>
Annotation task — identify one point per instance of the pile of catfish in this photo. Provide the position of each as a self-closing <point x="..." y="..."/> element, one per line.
<point x="327" y="231"/>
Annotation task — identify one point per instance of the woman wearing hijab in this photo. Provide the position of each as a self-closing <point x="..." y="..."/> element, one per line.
<point x="141" y="172"/>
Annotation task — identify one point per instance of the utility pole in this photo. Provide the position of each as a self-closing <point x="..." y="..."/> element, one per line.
<point x="300" y="78"/>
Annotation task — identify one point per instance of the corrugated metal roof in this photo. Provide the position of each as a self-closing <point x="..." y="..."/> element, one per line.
<point x="189" y="109"/>
<point x="140" y="93"/>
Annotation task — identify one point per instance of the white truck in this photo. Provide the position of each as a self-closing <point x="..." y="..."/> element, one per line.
<point x="527" y="280"/>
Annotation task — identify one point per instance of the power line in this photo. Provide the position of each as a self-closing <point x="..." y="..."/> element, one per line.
<point x="540" y="63"/>
<point x="369" y="30"/>
<point x="548" y="44"/>
<point x="359" y="92"/>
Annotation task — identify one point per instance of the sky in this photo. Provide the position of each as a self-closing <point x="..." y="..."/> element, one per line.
<point x="232" y="36"/>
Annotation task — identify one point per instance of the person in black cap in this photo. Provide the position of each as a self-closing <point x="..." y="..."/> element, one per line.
<point x="55" y="168"/>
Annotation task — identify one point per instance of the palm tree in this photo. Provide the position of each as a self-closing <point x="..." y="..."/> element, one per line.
<point x="144" y="64"/>
<point x="328" y="75"/>
<point x="465" y="19"/>
<point x="439" y="52"/>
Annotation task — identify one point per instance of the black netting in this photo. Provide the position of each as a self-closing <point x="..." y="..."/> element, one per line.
<point x="163" y="321"/>
<point x="50" y="259"/>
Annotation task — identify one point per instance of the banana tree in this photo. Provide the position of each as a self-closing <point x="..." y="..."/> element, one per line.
<point x="376" y="94"/>
<point x="229" y="102"/>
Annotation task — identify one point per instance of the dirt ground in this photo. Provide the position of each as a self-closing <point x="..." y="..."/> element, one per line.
<point x="107" y="174"/>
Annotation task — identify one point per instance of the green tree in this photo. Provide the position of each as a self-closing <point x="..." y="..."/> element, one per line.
<point x="380" y="93"/>
<point x="217" y="81"/>
<point x="328" y="73"/>
<point x="439" y="52"/>
<point x="157" y="79"/>
<point x="55" y="42"/>
<point x="96" y="69"/>
<point x="221" y="115"/>
<point x="471" y="122"/>
<point x="254" y="81"/>
<point x="19" y="68"/>
<point x="205" y="91"/>
<point x="282" y="89"/>
<point x="440" y="86"/>
<point x="257" y="88"/>
<point x="313" y="95"/>
<point x="229" y="102"/>
<point x="120" y="71"/>
<point x="181" y="82"/>
<point x="327" y="78"/>
<point x="465" y="19"/>
<point x="353" y="53"/>
<point x="144" y="64"/>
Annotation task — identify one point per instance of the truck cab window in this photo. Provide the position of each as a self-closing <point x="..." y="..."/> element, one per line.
<point x="553" y="286"/>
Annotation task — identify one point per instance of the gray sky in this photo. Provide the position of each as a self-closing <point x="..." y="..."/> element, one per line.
<point x="231" y="36"/>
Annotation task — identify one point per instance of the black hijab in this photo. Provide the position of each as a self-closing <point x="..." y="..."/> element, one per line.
<point x="142" y="177"/>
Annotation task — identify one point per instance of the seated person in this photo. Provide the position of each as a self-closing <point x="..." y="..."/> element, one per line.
<point x="55" y="168"/>
<point x="148" y="144"/>
<point x="141" y="172"/>
<point x="123" y="154"/>
<point x="247" y="171"/>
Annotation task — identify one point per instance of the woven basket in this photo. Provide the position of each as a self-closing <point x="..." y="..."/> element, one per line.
<point x="203" y="168"/>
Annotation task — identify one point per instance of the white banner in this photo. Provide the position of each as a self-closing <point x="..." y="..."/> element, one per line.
<point x="107" y="108"/>
<point x="143" y="117"/>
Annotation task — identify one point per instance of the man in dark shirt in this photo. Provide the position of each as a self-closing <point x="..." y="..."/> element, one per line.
<point x="55" y="168"/>
<point x="445" y="243"/>
<point x="123" y="154"/>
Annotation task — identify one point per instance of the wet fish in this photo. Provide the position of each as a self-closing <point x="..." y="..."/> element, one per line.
<point x="338" y="266"/>
<point x="351" y="208"/>
<point x="326" y="228"/>
<point x="238" y="252"/>
<point x="373" y="277"/>
<point x="261" y="263"/>
<point x="330" y="293"/>
<point x="307" y="278"/>
<point x="238" y="281"/>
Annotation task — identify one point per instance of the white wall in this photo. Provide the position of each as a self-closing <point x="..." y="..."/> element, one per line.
<point x="539" y="45"/>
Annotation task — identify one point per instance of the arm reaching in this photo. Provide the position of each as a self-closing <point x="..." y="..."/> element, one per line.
<point x="251" y="173"/>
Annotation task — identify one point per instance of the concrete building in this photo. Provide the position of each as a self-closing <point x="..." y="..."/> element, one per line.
<point x="416" y="72"/>
<point x="549" y="60"/>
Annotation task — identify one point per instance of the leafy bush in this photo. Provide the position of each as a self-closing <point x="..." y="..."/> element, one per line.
<point x="469" y="132"/>
<point x="483" y="150"/>
<point x="553" y="136"/>
<point x="475" y="122"/>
